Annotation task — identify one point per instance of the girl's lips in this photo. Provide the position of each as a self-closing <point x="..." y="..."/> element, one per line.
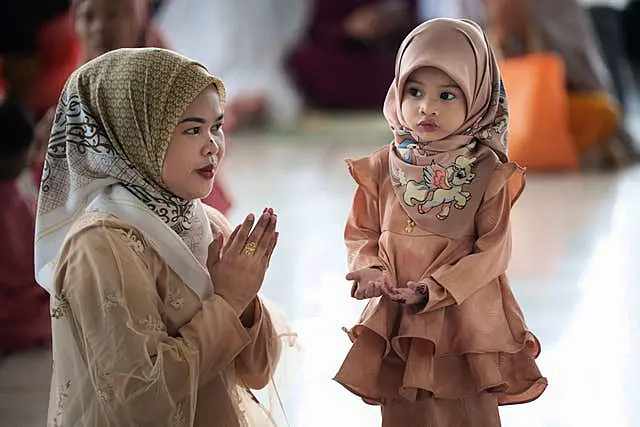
<point x="429" y="126"/>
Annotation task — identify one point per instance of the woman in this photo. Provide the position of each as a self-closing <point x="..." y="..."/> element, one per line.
<point x="155" y="316"/>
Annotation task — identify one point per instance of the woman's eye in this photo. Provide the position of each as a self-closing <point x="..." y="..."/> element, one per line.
<point x="216" y="127"/>
<point x="193" y="131"/>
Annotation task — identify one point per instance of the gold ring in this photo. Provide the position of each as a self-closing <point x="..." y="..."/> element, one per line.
<point x="250" y="248"/>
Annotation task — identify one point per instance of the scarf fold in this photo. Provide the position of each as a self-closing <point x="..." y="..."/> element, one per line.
<point x="112" y="128"/>
<point x="440" y="184"/>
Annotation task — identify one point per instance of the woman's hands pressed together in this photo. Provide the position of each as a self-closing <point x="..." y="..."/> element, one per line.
<point x="237" y="267"/>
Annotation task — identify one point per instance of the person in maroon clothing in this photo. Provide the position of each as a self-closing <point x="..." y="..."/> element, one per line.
<point x="347" y="59"/>
<point x="24" y="305"/>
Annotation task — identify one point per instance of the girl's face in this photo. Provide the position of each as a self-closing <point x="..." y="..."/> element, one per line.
<point x="433" y="105"/>
<point x="106" y="25"/>
<point x="196" y="148"/>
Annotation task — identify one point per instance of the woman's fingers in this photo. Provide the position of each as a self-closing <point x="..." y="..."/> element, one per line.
<point x="240" y="238"/>
<point x="272" y="246"/>
<point x="268" y="233"/>
<point x="255" y="234"/>
<point x="215" y="248"/>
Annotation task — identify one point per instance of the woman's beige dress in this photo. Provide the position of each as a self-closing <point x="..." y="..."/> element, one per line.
<point x="134" y="346"/>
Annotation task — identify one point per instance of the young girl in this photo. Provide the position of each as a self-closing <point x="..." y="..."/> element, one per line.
<point x="442" y="341"/>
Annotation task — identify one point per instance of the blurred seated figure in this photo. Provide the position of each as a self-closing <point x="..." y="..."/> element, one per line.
<point x="606" y="18"/>
<point x="24" y="305"/>
<point x="631" y="35"/>
<point x="89" y="29"/>
<point x="346" y="60"/>
<point x="519" y="27"/>
<point x="24" y="35"/>
<point x="245" y="42"/>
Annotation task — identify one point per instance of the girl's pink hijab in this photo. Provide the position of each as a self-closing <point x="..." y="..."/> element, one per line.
<point x="459" y="48"/>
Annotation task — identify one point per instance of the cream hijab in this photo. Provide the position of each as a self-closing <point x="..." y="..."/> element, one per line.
<point x="440" y="184"/>
<point x="111" y="132"/>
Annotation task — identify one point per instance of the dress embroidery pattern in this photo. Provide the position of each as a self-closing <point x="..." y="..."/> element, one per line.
<point x="152" y="324"/>
<point x="133" y="240"/>
<point x="104" y="389"/>
<point x="112" y="301"/>
<point x="175" y="300"/>
<point x="59" y="306"/>
<point x="179" y="419"/>
<point x="63" y="396"/>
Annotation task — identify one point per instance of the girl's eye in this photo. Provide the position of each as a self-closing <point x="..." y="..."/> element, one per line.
<point x="414" y="92"/>
<point x="447" y="96"/>
<point x="193" y="131"/>
<point x="216" y="127"/>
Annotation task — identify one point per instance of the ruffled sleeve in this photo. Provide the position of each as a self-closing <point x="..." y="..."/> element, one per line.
<point x="362" y="231"/>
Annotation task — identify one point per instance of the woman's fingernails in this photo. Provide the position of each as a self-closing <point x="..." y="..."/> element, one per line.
<point x="250" y="217"/>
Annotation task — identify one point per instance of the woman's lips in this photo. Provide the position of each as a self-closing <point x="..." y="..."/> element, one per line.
<point x="206" y="172"/>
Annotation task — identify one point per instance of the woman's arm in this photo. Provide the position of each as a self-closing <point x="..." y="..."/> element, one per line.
<point x="117" y="324"/>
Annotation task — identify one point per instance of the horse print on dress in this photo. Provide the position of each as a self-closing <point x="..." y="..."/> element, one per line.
<point x="441" y="186"/>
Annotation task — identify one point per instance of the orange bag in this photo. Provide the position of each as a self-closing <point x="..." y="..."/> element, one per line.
<point x="539" y="134"/>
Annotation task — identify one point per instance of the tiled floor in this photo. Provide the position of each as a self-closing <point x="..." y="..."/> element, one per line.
<point x="575" y="269"/>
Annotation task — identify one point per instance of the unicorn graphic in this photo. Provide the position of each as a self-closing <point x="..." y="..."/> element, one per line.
<point x="441" y="186"/>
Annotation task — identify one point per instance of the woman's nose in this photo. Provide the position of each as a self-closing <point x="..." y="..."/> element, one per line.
<point x="213" y="147"/>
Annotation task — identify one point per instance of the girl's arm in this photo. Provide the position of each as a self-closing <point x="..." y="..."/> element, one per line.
<point x="454" y="283"/>
<point x="362" y="231"/>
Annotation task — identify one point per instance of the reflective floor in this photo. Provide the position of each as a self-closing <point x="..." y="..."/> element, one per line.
<point x="575" y="270"/>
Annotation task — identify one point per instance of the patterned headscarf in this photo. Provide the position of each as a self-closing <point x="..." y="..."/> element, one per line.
<point x="431" y="178"/>
<point x="113" y="125"/>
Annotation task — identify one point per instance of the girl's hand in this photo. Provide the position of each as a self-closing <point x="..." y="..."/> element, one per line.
<point x="414" y="293"/>
<point x="367" y="283"/>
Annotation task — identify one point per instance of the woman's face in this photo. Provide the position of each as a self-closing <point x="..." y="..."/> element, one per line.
<point x="433" y="105"/>
<point x="196" y="148"/>
<point x="106" y="25"/>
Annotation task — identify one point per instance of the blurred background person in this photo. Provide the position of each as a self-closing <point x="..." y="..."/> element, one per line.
<point x="519" y="27"/>
<point x="24" y="307"/>
<point x="346" y="58"/>
<point x="246" y="43"/>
